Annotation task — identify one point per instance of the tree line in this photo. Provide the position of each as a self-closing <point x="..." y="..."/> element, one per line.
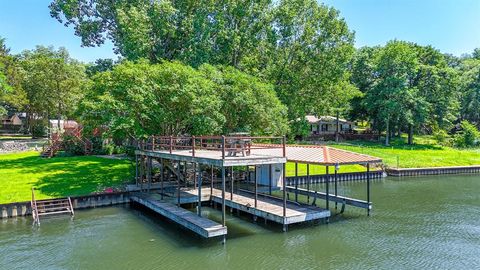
<point x="209" y="67"/>
<point x="415" y="89"/>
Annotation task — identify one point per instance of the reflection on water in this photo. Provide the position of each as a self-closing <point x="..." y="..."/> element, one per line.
<point x="417" y="223"/>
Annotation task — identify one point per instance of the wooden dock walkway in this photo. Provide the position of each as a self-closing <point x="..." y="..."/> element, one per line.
<point x="338" y="199"/>
<point x="267" y="208"/>
<point x="200" y="225"/>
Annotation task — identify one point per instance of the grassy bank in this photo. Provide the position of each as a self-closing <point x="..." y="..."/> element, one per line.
<point x="316" y="169"/>
<point x="59" y="176"/>
<point x="425" y="152"/>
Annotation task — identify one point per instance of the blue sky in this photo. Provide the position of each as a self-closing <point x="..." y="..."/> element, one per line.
<point x="453" y="26"/>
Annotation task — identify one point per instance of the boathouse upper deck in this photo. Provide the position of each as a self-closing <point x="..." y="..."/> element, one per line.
<point x="221" y="151"/>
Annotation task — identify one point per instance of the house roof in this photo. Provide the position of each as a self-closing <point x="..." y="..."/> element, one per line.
<point x="63" y="123"/>
<point x="312" y="119"/>
<point x="9" y="116"/>
<point x="318" y="154"/>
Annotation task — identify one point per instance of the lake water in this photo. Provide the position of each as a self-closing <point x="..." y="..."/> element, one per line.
<point x="417" y="223"/>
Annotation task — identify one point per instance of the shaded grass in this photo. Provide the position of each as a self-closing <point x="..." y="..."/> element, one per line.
<point x="58" y="176"/>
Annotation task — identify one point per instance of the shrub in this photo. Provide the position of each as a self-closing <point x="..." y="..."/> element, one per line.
<point x="73" y="146"/>
<point x="442" y="137"/>
<point x="468" y="137"/>
<point x="97" y="145"/>
<point x="109" y="149"/>
<point x="38" y="130"/>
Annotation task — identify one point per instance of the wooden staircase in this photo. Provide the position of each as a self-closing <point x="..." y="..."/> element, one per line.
<point x="51" y="149"/>
<point x="50" y="207"/>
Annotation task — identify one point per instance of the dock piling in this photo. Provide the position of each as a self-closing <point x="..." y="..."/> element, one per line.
<point x="368" y="188"/>
<point x="199" y="207"/>
<point x="223" y="196"/>
<point x="178" y="184"/>
<point x="327" y="180"/>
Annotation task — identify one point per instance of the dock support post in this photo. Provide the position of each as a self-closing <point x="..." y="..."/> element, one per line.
<point x="231" y="187"/>
<point x="284" y="176"/>
<point x="142" y="169"/>
<point x="185" y="165"/>
<point x="368" y="189"/>
<point x="284" y="198"/>
<point x="136" y="170"/>
<point x="194" y="176"/>
<point x="269" y="179"/>
<point x="255" y="188"/>
<point x="308" y="183"/>
<point x="296" y="181"/>
<point x="211" y="185"/>
<point x="223" y="196"/>
<point x="327" y="180"/>
<point x="232" y="178"/>
<point x="336" y="184"/>
<point x="178" y="184"/>
<point x="199" y="207"/>
<point x="149" y="173"/>
<point x="161" y="178"/>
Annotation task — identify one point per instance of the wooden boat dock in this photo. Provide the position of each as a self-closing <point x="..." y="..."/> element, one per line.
<point x="269" y="208"/>
<point x="198" y="169"/>
<point x="199" y="225"/>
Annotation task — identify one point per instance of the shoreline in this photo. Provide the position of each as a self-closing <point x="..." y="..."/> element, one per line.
<point x="444" y="170"/>
<point x="19" y="209"/>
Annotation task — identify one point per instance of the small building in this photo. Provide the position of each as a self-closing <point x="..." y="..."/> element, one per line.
<point x="12" y="123"/>
<point x="327" y="125"/>
<point x="12" y="119"/>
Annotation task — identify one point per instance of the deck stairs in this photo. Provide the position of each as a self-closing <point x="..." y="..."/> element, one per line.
<point x="50" y="207"/>
<point x="50" y="149"/>
<point x="55" y="144"/>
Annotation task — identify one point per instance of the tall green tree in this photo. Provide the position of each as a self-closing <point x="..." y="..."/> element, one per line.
<point x="138" y="99"/>
<point x="414" y="87"/>
<point x="301" y="47"/>
<point x="364" y="76"/>
<point x="194" y="32"/>
<point x="248" y="104"/>
<point x="312" y="48"/>
<point x="438" y="85"/>
<point x="394" y="100"/>
<point x="53" y="82"/>
<point x="470" y="90"/>
<point x="12" y="96"/>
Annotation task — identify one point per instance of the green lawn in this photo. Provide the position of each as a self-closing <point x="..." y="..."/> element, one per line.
<point x="58" y="176"/>
<point x="317" y="169"/>
<point x="424" y="153"/>
<point x="14" y="137"/>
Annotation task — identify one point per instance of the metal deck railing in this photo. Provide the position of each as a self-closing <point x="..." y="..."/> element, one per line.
<point x="230" y="146"/>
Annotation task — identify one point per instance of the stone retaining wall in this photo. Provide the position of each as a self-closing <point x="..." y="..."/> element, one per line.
<point x="433" y="171"/>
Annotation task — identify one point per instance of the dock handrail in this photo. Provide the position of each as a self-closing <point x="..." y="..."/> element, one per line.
<point x="71" y="206"/>
<point x="228" y="145"/>
<point x="36" y="219"/>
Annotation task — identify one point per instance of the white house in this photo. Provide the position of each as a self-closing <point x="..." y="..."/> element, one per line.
<point x="328" y="124"/>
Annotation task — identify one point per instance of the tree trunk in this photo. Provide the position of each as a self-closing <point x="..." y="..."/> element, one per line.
<point x="410" y="134"/>
<point x="387" y="134"/>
